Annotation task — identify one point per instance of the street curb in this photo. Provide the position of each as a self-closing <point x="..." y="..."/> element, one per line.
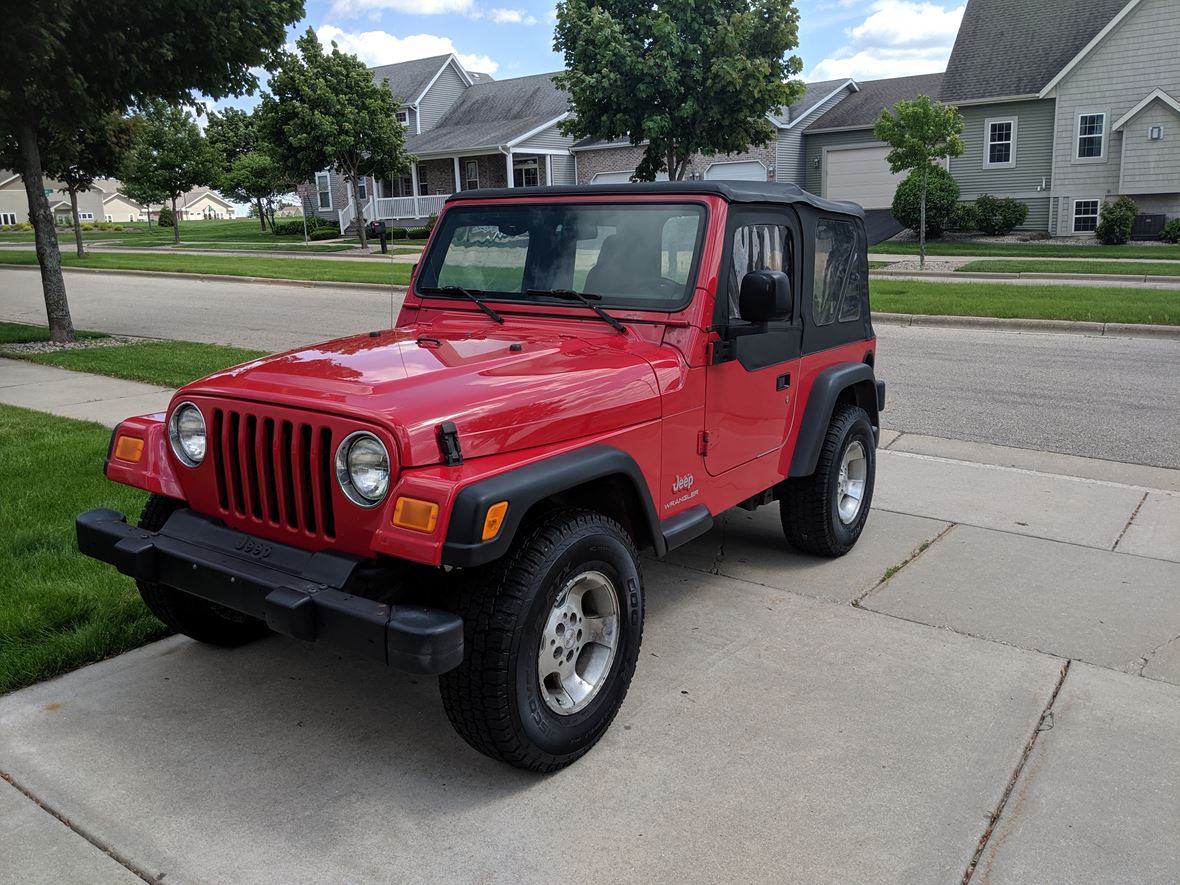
<point x="1113" y="330"/>
<point x="1068" y="327"/>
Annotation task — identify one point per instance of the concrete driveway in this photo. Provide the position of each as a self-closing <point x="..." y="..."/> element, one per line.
<point x="985" y="683"/>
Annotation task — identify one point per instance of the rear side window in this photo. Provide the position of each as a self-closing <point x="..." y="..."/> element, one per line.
<point x="757" y="247"/>
<point x="837" y="284"/>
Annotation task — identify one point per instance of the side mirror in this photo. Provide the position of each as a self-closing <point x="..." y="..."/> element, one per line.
<point x="765" y="295"/>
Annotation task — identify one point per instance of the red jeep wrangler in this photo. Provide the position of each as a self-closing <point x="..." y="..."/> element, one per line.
<point x="577" y="373"/>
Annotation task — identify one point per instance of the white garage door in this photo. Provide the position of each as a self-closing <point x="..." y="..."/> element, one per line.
<point x="621" y="177"/>
<point x="860" y="175"/>
<point x="744" y="170"/>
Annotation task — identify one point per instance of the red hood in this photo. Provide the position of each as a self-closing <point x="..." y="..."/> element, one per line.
<point x="558" y="386"/>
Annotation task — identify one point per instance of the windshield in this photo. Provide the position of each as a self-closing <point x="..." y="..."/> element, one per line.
<point x="634" y="255"/>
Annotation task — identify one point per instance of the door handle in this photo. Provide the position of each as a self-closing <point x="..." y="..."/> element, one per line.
<point x="782" y="382"/>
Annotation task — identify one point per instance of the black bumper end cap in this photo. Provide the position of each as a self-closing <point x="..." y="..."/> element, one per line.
<point x="426" y="641"/>
<point x="291" y="613"/>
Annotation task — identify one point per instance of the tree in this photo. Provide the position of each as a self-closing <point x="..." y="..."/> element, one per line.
<point x="65" y="66"/>
<point x="248" y="173"/>
<point x="325" y="112"/>
<point x="920" y="132"/>
<point x="686" y="77"/>
<point x="170" y="157"/>
<point x="942" y="196"/>
<point x="78" y="157"/>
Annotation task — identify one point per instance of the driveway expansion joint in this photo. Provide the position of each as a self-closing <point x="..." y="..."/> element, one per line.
<point x="1044" y="723"/>
<point x="1130" y="519"/>
<point x="98" y="843"/>
<point x="892" y="571"/>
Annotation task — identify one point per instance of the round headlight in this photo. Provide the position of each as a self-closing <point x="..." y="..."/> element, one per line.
<point x="362" y="468"/>
<point x="186" y="430"/>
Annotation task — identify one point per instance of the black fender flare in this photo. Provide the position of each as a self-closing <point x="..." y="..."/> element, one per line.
<point x="523" y="487"/>
<point x="825" y="391"/>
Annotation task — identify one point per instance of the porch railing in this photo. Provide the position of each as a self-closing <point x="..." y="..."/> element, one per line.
<point x="410" y="207"/>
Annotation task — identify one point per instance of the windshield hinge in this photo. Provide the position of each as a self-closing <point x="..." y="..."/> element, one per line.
<point x="720" y="351"/>
<point x="448" y="444"/>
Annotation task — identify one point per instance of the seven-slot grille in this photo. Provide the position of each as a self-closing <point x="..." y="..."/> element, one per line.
<point x="274" y="470"/>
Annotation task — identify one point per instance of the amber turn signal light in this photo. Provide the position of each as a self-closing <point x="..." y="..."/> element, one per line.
<point x="128" y="448"/>
<point x="420" y="516"/>
<point x="494" y="519"/>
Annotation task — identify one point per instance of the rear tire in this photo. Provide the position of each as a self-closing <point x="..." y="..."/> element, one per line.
<point x="184" y="613"/>
<point x="551" y="638"/>
<point x="825" y="513"/>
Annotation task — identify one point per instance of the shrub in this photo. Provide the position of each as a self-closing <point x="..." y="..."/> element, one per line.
<point x="942" y="194"/>
<point x="1171" y="231"/>
<point x="963" y="217"/>
<point x="1115" y="220"/>
<point x="164" y="218"/>
<point x="290" y="227"/>
<point x="396" y="233"/>
<point x="999" y="215"/>
<point x="324" y="233"/>
<point x="418" y="233"/>
<point x="86" y="225"/>
<point x="431" y="220"/>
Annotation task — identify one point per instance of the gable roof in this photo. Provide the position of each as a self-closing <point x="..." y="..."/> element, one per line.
<point x="1006" y="49"/>
<point x="409" y="79"/>
<point x="814" y="95"/>
<point x="861" y="109"/>
<point x="1155" y="95"/>
<point x="494" y="113"/>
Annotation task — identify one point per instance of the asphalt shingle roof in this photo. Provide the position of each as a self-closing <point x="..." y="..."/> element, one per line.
<point x="407" y="79"/>
<point x="489" y="115"/>
<point x="815" y="93"/>
<point x="1007" y="48"/>
<point x="861" y="109"/>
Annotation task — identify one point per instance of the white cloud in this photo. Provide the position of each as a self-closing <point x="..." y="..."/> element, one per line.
<point x="357" y="8"/>
<point x="383" y="48"/>
<point x="511" y="17"/>
<point x="898" y="38"/>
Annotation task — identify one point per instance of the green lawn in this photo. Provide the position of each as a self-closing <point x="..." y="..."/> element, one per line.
<point x="1157" y="306"/>
<point x="21" y="333"/>
<point x="59" y="609"/>
<point x="1147" y="268"/>
<point x="1030" y="250"/>
<point x="166" y="363"/>
<point x="283" y="245"/>
<point x="235" y="265"/>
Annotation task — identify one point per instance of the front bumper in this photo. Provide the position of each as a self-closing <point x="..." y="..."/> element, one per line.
<point x="298" y="593"/>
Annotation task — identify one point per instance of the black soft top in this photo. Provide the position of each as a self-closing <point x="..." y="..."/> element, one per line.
<point x="733" y="191"/>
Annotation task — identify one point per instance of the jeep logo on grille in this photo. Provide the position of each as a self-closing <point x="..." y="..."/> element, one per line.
<point x="251" y="547"/>
<point x="683" y="483"/>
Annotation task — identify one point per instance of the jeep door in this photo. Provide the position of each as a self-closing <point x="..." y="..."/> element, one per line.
<point x="749" y="402"/>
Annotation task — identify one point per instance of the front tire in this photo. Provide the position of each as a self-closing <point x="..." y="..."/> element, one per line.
<point x="184" y="613"/>
<point x="552" y="634"/>
<point x="825" y="513"/>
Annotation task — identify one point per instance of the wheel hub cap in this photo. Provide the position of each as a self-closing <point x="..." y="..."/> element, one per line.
<point x="578" y="643"/>
<point x="850" y="485"/>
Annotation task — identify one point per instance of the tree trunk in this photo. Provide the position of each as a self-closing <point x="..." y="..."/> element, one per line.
<point x="922" y="222"/>
<point x="77" y="221"/>
<point x="175" y="224"/>
<point x="261" y="214"/>
<point x="53" y="284"/>
<point x="670" y="162"/>
<point x="360" y="213"/>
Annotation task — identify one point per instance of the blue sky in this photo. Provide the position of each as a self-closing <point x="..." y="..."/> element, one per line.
<point x="867" y="39"/>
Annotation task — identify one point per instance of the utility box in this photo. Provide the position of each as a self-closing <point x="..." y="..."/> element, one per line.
<point x="1148" y="227"/>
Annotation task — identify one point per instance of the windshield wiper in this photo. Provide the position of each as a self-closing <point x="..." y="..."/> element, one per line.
<point x="473" y="294"/>
<point x="587" y="298"/>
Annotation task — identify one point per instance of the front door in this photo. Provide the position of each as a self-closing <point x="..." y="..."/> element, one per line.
<point x="749" y="388"/>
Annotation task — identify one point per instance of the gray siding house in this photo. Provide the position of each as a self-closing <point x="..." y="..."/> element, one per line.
<point x="465" y="130"/>
<point x="1066" y="104"/>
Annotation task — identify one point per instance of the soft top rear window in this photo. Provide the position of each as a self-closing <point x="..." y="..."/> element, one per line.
<point x="641" y="256"/>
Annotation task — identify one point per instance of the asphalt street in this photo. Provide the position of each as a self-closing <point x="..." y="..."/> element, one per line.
<point x="1100" y="397"/>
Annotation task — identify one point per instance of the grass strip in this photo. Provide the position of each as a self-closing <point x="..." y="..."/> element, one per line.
<point x="59" y="609"/>
<point x="1138" y="268"/>
<point x="26" y="333"/>
<point x="1029" y="250"/>
<point x="1014" y="301"/>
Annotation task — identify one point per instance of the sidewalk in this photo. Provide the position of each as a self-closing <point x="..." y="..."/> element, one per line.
<point x="77" y="394"/>
<point x="991" y="676"/>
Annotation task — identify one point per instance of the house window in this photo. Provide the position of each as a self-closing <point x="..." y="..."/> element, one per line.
<point x="1085" y="216"/>
<point x="405" y="186"/>
<point x="8" y="218"/>
<point x="422" y="181"/>
<point x="362" y="188"/>
<point x="471" y="172"/>
<point x="524" y="173"/>
<point x="110" y="218"/>
<point x="1001" y="143"/>
<point x="403" y="117"/>
<point x="1091" y="131"/>
<point x="86" y="216"/>
<point x="323" y="186"/>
